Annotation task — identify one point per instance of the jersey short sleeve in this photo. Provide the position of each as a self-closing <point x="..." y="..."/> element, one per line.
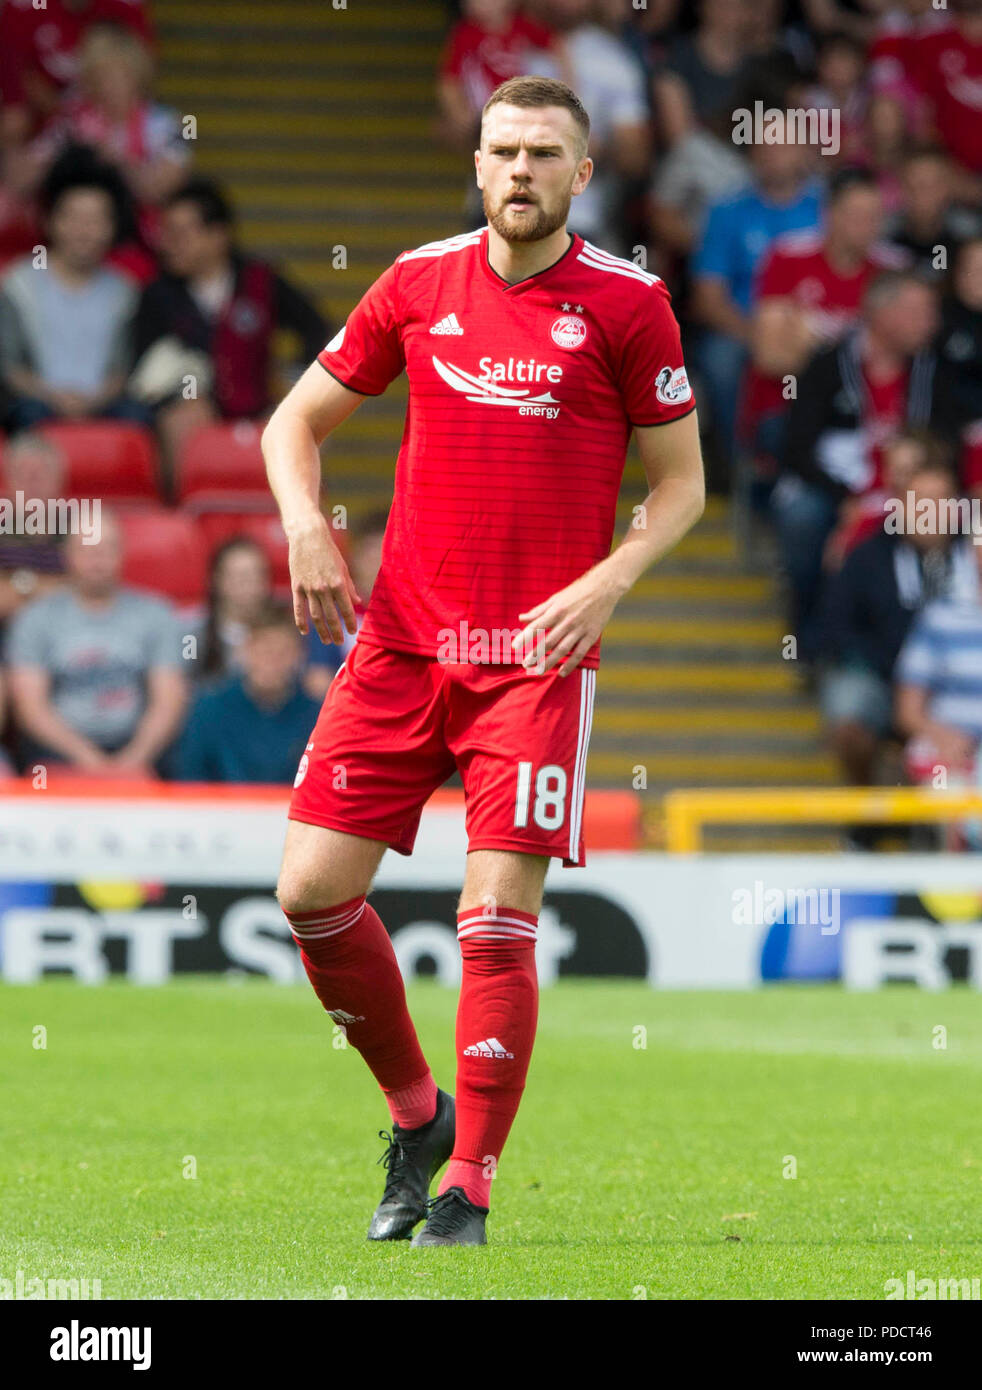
<point x="367" y="353"/>
<point x="652" y="378"/>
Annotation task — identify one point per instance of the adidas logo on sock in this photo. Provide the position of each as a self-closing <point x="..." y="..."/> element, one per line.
<point x="448" y="325"/>
<point x="491" y="1047"/>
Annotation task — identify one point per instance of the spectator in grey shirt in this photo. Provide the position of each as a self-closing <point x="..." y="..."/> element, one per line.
<point x="96" y="670"/>
<point x="65" y="321"/>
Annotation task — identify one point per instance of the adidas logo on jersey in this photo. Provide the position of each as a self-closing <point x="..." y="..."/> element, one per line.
<point x="448" y="325"/>
<point x="491" y="1047"/>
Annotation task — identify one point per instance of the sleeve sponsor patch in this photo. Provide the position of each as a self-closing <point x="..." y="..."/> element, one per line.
<point x="672" y="386"/>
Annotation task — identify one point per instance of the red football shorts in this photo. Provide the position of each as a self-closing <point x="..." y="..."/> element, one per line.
<point x="394" y="726"/>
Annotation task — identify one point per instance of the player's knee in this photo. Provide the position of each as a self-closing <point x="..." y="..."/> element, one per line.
<point x="299" y="890"/>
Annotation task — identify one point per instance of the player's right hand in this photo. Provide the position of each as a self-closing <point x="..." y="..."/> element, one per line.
<point x="321" y="583"/>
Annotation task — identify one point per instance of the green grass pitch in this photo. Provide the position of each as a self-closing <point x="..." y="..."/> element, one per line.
<point x="655" y="1171"/>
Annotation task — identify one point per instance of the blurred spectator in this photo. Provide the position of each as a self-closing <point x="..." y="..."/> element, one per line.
<point x="113" y="114"/>
<point x="930" y="225"/>
<point x="939" y="687"/>
<point x="700" y="169"/>
<point x="892" y="63"/>
<point x="20" y="226"/>
<point x="490" y="44"/>
<point x="608" y="78"/>
<point x="65" y="325"/>
<point x="851" y="399"/>
<point x="885" y="143"/>
<point x="960" y="340"/>
<point x="39" y="53"/>
<point x="908" y="453"/>
<point x="254" y="727"/>
<point x="783" y="198"/>
<point x="809" y="291"/>
<point x="867" y="611"/>
<point x="774" y="32"/>
<point x="839" y="86"/>
<point x="30" y="564"/>
<point x="239" y="588"/>
<point x="947" y="68"/>
<point x="96" y="671"/>
<point x="364" y="562"/>
<point x="7" y="768"/>
<point x="705" y="71"/>
<point x="212" y="315"/>
<point x="657" y="25"/>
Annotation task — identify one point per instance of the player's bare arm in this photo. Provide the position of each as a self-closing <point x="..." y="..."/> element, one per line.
<point x="574" y="617"/>
<point x="291" y="441"/>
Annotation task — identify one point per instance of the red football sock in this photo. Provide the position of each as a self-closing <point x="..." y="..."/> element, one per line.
<point x="496" y="1020"/>
<point x="350" y="962"/>
<point x="415" y="1105"/>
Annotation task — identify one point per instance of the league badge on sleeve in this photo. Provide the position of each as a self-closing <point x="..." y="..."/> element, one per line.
<point x="672" y="386"/>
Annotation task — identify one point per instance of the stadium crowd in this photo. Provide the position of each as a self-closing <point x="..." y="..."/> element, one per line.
<point x="830" y="295"/>
<point x="829" y="290"/>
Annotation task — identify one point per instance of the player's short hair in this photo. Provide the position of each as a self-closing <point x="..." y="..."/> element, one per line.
<point x="541" y="91"/>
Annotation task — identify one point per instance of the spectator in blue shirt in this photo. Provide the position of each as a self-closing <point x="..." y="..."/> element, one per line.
<point x="939" y="687"/>
<point x="784" y="196"/>
<point x="255" y="726"/>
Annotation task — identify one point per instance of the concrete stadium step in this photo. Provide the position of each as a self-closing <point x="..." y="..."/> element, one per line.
<point x="195" y="53"/>
<point x="281" y="164"/>
<point x="300" y="17"/>
<point x="342" y="125"/>
<point x="289" y="87"/>
<point x="746" y="723"/>
<point x="684" y="678"/>
<point x="736" y="769"/>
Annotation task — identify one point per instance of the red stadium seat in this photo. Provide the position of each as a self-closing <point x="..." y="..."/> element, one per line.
<point x="221" y="468"/>
<point x="106" y="458"/>
<point x="164" y="552"/>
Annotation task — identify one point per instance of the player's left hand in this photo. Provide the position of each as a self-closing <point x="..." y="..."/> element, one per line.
<point x="571" y="620"/>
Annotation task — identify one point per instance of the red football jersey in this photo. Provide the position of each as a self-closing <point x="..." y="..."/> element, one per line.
<point x="45" y="39"/>
<point x="885" y="416"/>
<point x="521" y="403"/>
<point x="948" y="69"/>
<point x="798" y="269"/>
<point x="482" y="59"/>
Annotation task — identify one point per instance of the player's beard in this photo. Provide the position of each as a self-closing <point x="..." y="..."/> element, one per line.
<point x="529" y="228"/>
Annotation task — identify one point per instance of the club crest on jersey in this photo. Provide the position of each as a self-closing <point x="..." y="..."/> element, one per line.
<point x="487" y="389"/>
<point x="569" y="331"/>
<point x="301" y="770"/>
<point x="672" y="386"/>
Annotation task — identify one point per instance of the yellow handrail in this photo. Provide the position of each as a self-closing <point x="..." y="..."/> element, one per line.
<point x="689" y="810"/>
